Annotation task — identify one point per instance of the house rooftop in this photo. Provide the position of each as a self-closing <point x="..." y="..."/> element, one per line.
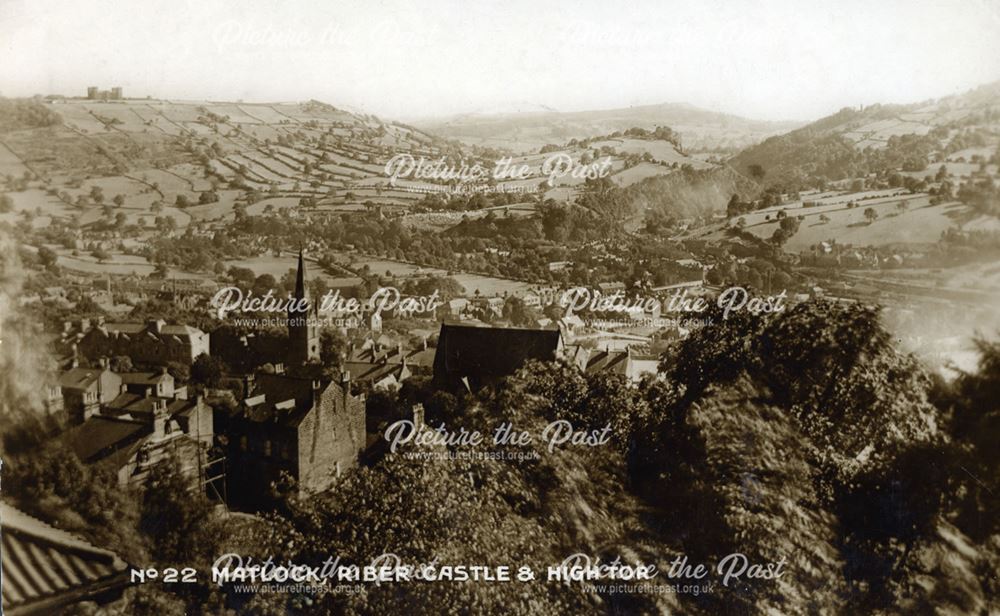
<point x="100" y="433"/>
<point x="144" y="378"/>
<point x="46" y="569"/>
<point x="79" y="378"/>
<point x="281" y="399"/>
<point x="490" y="352"/>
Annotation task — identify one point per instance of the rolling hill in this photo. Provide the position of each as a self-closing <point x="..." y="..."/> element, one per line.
<point x="855" y="142"/>
<point x="700" y="130"/>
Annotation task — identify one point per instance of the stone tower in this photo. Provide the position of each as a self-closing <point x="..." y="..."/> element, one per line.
<point x="303" y="336"/>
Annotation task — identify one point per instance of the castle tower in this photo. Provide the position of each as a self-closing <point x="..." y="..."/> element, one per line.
<point x="303" y="337"/>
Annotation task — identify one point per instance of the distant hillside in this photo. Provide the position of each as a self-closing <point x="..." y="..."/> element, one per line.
<point x="700" y="130"/>
<point x="855" y="142"/>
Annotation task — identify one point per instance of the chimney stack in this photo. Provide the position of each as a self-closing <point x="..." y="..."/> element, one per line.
<point x="345" y="384"/>
<point x="418" y="417"/>
<point x="160" y="419"/>
<point x="247" y="385"/>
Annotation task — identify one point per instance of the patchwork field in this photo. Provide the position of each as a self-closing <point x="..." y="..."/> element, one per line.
<point x="918" y="223"/>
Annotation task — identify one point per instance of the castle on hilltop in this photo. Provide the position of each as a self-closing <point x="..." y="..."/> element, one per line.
<point x="95" y="94"/>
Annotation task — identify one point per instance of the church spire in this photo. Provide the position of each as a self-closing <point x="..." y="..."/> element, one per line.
<point x="303" y="337"/>
<point x="300" y="278"/>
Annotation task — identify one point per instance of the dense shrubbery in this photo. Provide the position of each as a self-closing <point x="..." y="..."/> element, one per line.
<point x="17" y="114"/>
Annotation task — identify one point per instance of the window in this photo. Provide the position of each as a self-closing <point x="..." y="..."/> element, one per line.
<point x="243" y="443"/>
<point x="267" y="447"/>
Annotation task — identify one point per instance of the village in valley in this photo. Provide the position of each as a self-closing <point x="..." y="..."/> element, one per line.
<point x="127" y="216"/>
<point x="131" y="214"/>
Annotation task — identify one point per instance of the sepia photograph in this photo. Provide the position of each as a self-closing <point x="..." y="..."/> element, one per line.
<point x="351" y="307"/>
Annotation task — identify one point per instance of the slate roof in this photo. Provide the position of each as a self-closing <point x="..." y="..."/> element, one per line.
<point x="607" y="361"/>
<point x="45" y="569"/>
<point x="129" y="402"/>
<point x="143" y="378"/>
<point x="79" y="378"/>
<point x="278" y="390"/>
<point x="100" y="435"/>
<point x="165" y="330"/>
<point x="362" y="371"/>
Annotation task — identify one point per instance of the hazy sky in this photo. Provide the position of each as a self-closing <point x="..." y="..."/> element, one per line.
<point x="791" y="59"/>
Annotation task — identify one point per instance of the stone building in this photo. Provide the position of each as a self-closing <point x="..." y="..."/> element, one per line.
<point x="153" y="342"/>
<point x="312" y="429"/>
<point x="85" y="390"/>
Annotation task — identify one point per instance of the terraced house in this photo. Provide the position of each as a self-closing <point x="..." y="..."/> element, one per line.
<point x="153" y="342"/>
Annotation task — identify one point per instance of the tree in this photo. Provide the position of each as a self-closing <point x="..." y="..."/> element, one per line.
<point x="52" y="484"/>
<point x="241" y="276"/>
<point x="121" y="363"/>
<point x="119" y="200"/>
<point x="871" y="215"/>
<point x="179" y="520"/>
<point x="47" y="257"/>
<point x="207" y="370"/>
<point x="100" y="254"/>
<point x="515" y="311"/>
<point x="331" y="346"/>
<point x="264" y="283"/>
